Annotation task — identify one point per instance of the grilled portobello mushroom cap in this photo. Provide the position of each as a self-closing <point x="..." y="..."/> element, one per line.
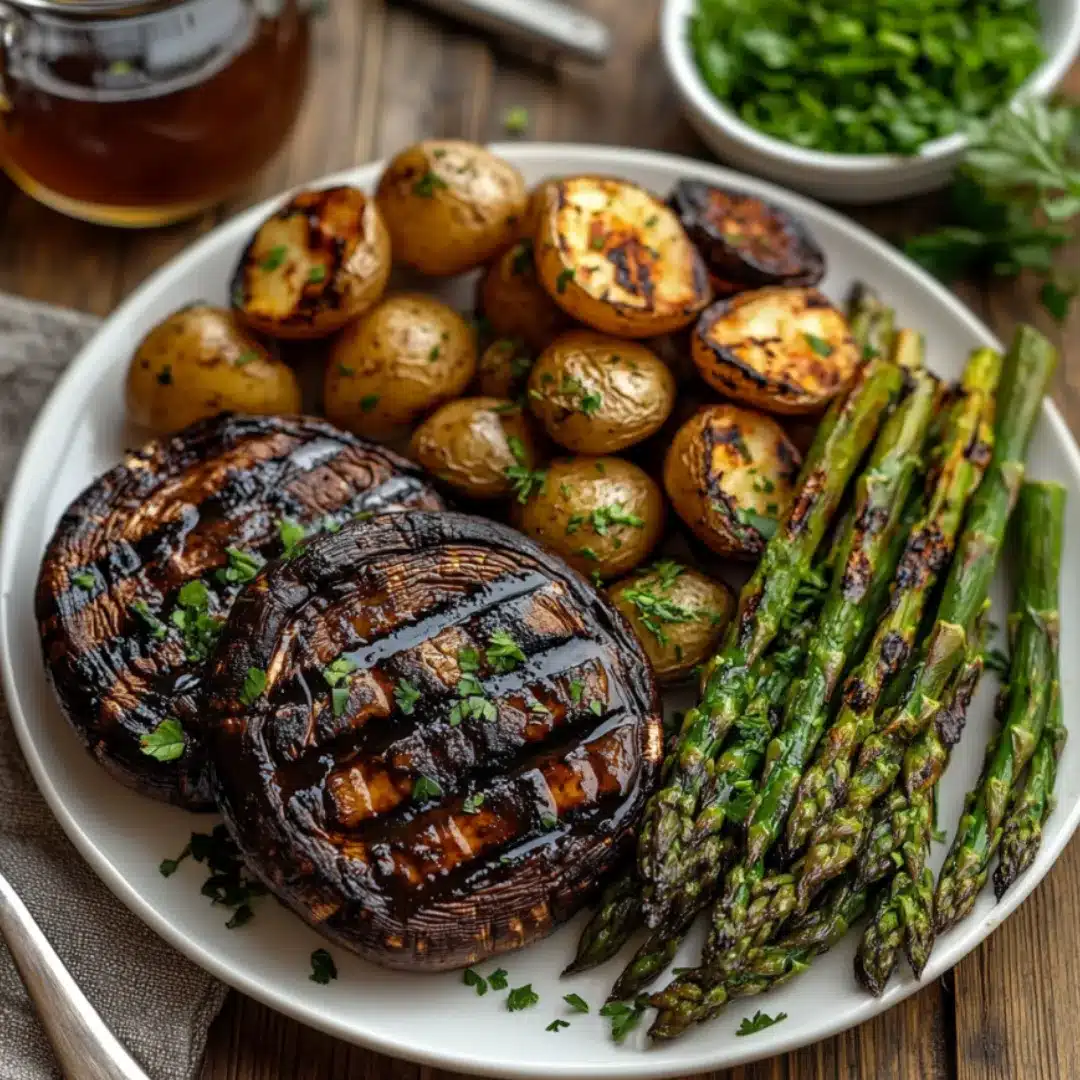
<point x="430" y="737"/>
<point x="146" y="563"/>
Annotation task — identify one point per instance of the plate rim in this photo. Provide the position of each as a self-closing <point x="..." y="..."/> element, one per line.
<point x="637" y="1064"/>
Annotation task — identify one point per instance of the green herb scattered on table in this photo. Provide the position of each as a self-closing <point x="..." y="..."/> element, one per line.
<point x="323" y="968"/>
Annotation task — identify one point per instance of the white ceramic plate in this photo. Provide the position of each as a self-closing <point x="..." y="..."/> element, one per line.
<point x="434" y="1018"/>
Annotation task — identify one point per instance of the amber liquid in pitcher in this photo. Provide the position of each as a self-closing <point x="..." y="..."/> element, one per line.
<point x="151" y="119"/>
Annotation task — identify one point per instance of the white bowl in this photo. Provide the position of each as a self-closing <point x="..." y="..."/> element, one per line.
<point x="843" y="178"/>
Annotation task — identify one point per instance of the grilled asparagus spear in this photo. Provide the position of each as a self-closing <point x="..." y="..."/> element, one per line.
<point x="1034" y="631"/>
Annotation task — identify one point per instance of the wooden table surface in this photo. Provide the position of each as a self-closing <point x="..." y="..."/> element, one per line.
<point x="386" y="74"/>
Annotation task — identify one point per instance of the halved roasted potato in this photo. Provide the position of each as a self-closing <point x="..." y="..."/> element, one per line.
<point x="504" y="369"/>
<point x="315" y="265"/>
<point x="746" y="243"/>
<point x="480" y="446"/>
<point x="396" y="364"/>
<point x="678" y="614"/>
<point x="783" y="350"/>
<point x="730" y="474"/>
<point x="450" y="205"/>
<point x="615" y="257"/>
<point x="515" y="305"/>
<point x="603" y="515"/>
<point x="598" y="394"/>
<point x="201" y="361"/>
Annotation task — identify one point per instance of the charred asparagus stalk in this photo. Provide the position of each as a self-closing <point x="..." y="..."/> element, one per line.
<point x="1034" y="802"/>
<point x="666" y="839"/>
<point x="1027" y="372"/>
<point x="615" y="920"/>
<point x="1034" y="631"/>
<point x="955" y="475"/>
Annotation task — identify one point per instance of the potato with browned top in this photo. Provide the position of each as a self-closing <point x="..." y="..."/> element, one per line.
<point x="603" y="515"/>
<point x="678" y="614"/>
<point x="450" y="205"/>
<point x="730" y="474"/>
<point x="314" y="265"/>
<point x="598" y="394"/>
<point x="479" y="446"/>
<point x="202" y="361"/>
<point x="783" y="350"/>
<point x="615" y="257"/>
<point x="396" y="364"/>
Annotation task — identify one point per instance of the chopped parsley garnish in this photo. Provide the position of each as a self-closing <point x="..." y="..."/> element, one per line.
<point x="557" y="1025"/>
<point x="290" y="533"/>
<point x="588" y="553"/>
<point x="656" y="611"/>
<point x="604" y="517"/>
<point x="524" y="481"/>
<point x="164" y="376"/>
<point x="759" y="1022"/>
<point x="193" y="618"/>
<point x="573" y="523"/>
<point x="477" y="981"/>
<point x="819" y="345"/>
<point x="274" y="258"/>
<point x="158" y="630"/>
<point x="434" y="354"/>
<point x="596" y="707"/>
<point x="522" y="997"/>
<point x="472" y="803"/>
<point x="339" y="700"/>
<point x="406" y="696"/>
<point x="368" y="402"/>
<point x="243" y="566"/>
<point x="522" y="260"/>
<point x="624" y="1017"/>
<point x="165" y="742"/>
<point x="765" y="526"/>
<point x="168" y="867"/>
<point x="516" y="120"/>
<point x="246" y="358"/>
<point x="549" y="822"/>
<point x="539" y="708"/>
<point x="228" y="884"/>
<point x="468" y="659"/>
<point x="577" y="688"/>
<point x="473" y="706"/>
<point x="323" y="968"/>
<point x="576" y="1002"/>
<point x="254" y="686"/>
<point x="338" y="671"/>
<point x="590" y="404"/>
<point x="650" y="222"/>
<point x="345" y="369"/>
<point x="316" y="275"/>
<point x="428" y="184"/>
<point x="425" y="789"/>
<point x="84" y="579"/>
<point x="497" y="979"/>
<point x="503" y="652"/>
<point x="565" y="277"/>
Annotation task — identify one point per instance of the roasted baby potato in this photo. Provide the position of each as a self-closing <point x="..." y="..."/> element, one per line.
<point x="504" y="369"/>
<point x="480" y="446"/>
<point x="603" y="515"/>
<point x="450" y="205"/>
<point x="202" y="361"/>
<point x="514" y="303"/>
<point x="396" y="364"/>
<point x="745" y="242"/>
<point x="597" y="394"/>
<point x="678" y="614"/>
<point x="730" y="474"/>
<point x="783" y="350"/>
<point x="615" y="257"/>
<point x="315" y="265"/>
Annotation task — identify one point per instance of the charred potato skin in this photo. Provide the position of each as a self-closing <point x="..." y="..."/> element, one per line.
<point x="770" y="371"/>
<point x="515" y="304"/>
<point x="432" y="903"/>
<point x="397" y="363"/>
<point x="560" y="515"/>
<point x="469" y="445"/>
<point x="597" y="395"/>
<point x="450" y="206"/>
<point x="316" y="264"/>
<point x="201" y="361"/>
<point x="746" y="242"/>
<point x="708" y="478"/>
<point x="615" y="257"/>
<point x="685" y="643"/>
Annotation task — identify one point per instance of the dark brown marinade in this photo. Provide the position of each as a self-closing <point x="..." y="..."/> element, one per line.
<point x="166" y="516"/>
<point x="400" y="825"/>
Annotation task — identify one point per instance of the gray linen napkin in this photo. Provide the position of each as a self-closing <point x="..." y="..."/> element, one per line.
<point x="159" y="1004"/>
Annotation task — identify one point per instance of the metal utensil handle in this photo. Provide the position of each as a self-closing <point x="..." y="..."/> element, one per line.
<point x="546" y="23"/>
<point x="85" y="1048"/>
